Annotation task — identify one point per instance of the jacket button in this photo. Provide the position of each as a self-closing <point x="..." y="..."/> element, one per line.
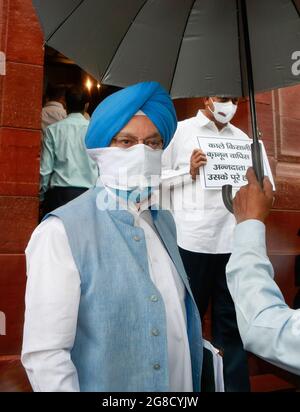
<point x="156" y="366"/>
<point x="137" y="238"/>
<point x="154" y="298"/>
<point x="155" y="332"/>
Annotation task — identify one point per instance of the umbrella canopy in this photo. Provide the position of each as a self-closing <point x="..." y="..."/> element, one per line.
<point x="192" y="47"/>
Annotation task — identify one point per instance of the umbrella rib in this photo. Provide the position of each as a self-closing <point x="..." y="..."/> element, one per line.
<point x="180" y="47"/>
<point x="63" y="22"/>
<point x="296" y="7"/>
<point x="123" y="37"/>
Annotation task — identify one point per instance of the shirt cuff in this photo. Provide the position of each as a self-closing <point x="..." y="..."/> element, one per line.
<point x="251" y="232"/>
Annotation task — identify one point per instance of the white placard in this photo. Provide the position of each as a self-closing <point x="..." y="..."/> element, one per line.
<point x="227" y="162"/>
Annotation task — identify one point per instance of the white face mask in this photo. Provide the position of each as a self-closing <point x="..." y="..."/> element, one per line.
<point x="128" y="169"/>
<point x="223" y="112"/>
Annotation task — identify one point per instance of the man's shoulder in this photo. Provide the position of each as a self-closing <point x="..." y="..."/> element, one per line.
<point x="57" y="125"/>
<point x="238" y="133"/>
<point x="184" y="126"/>
<point x="89" y="198"/>
<point x="49" y="230"/>
<point x="187" y="122"/>
<point x="64" y="124"/>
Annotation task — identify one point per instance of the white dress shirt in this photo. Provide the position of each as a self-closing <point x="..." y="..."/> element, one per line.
<point x="203" y="224"/>
<point x="52" y="301"/>
<point x="64" y="159"/>
<point x="52" y="112"/>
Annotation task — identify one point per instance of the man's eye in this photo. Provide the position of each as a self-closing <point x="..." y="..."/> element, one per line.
<point x="153" y="143"/>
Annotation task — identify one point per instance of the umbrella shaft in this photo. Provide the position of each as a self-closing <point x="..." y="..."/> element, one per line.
<point x="256" y="146"/>
<point x="249" y="67"/>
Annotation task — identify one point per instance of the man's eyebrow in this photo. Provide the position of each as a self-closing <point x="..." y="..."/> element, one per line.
<point x="135" y="137"/>
<point x="154" y="135"/>
<point x="126" y="135"/>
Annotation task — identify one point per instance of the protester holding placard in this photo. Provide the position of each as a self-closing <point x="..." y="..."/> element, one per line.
<point x="205" y="228"/>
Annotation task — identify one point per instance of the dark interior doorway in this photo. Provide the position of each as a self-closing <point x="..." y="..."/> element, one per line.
<point x="59" y="70"/>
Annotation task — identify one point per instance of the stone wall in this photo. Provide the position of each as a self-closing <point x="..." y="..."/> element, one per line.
<point x="20" y="136"/>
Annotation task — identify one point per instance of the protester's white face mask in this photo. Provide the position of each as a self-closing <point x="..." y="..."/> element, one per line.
<point x="223" y="112"/>
<point x="127" y="169"/>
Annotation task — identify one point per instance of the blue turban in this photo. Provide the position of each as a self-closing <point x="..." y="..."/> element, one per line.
<point x="113" y="114"/>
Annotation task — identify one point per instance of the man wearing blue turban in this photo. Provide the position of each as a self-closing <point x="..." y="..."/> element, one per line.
<point x="108" y="303"/>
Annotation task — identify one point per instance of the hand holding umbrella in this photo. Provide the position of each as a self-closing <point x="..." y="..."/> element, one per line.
<point x="253" y="201"/>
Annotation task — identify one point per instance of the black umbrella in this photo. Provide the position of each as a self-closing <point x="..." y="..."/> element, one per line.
<point x="192" y="47"/>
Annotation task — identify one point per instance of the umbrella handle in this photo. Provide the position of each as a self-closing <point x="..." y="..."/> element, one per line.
<point x="227" y="197"/>
<point x="257" y="162"/>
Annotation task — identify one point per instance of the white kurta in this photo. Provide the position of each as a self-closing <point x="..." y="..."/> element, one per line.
<point x="54" y="287"/>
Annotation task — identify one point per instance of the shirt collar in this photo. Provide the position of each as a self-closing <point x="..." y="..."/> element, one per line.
<point x="77" y="116"/>
<point x="203" y="121"/>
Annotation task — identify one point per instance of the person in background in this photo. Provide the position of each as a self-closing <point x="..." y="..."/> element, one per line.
<point x="108" y="303"/>
<point x="87" y="116"/>
<point x="55" y="107"/>
<point x="268" y="326"/>
<point x="205" y="230"/>
<point x="66" y="170"/>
